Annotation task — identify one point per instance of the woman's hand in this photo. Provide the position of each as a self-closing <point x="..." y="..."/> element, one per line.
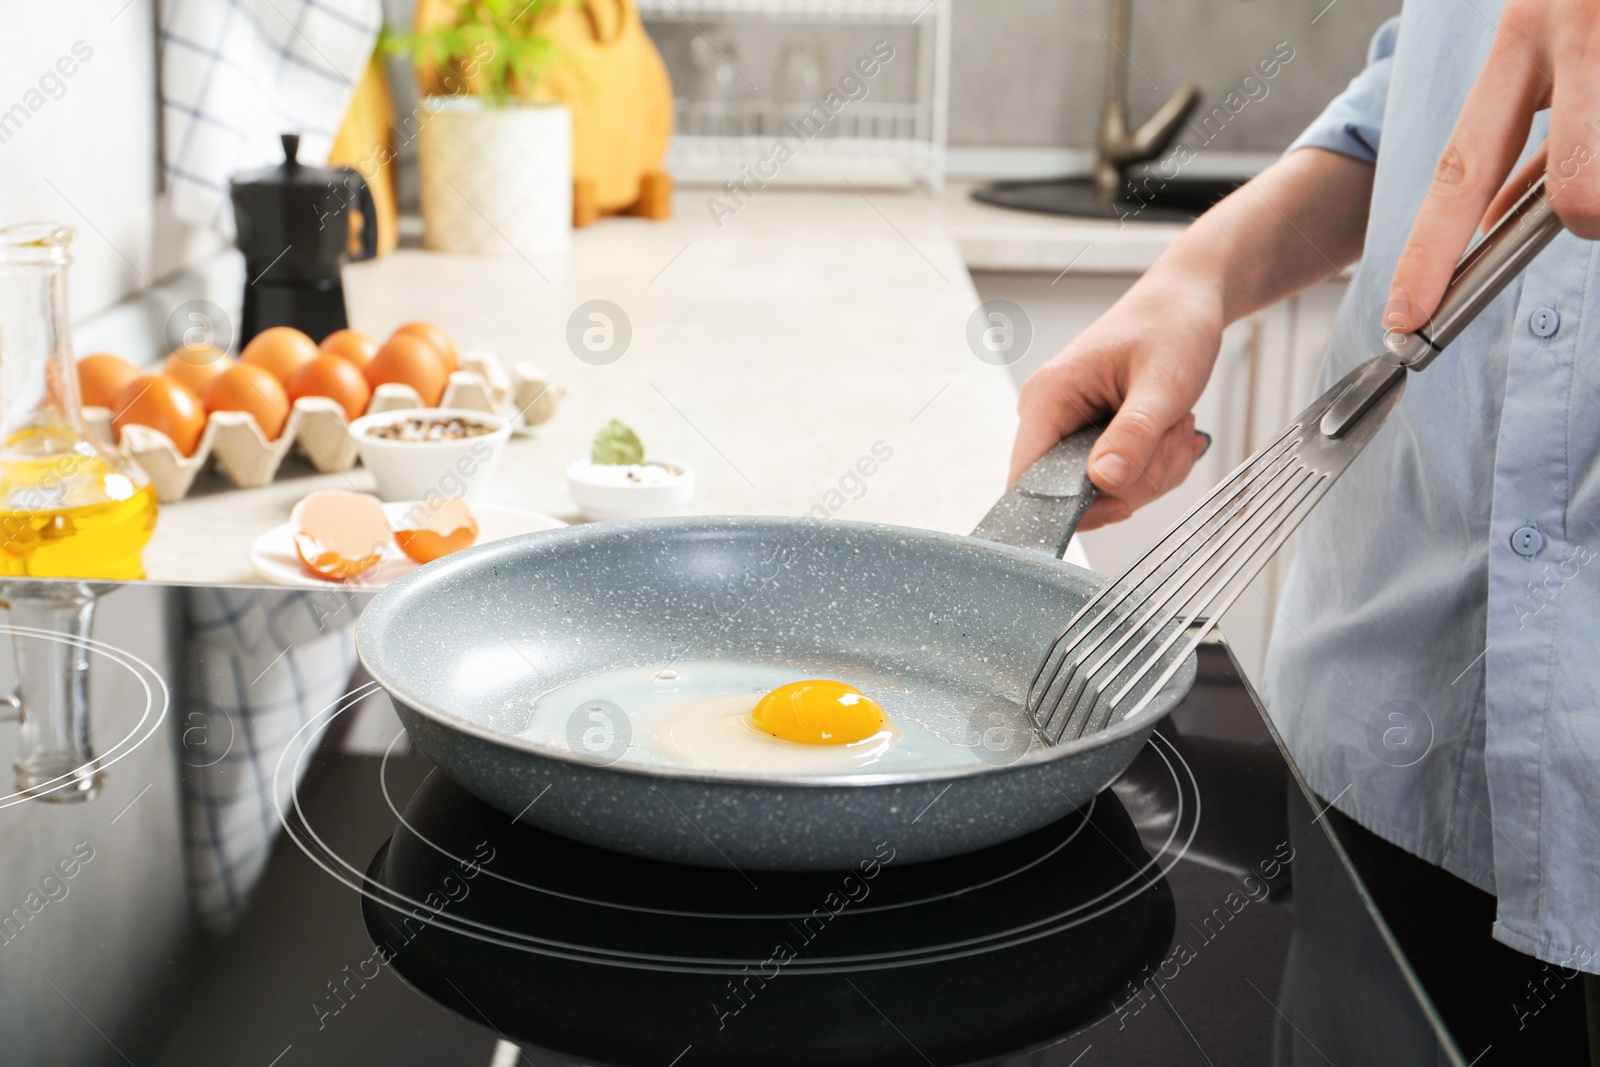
<point x="1139" y="368"/>
<point x="1147" y="359"/>
<point x="1546" y="54"/>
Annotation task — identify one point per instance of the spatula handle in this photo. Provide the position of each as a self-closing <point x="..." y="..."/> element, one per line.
<point x="1483" y="272"/>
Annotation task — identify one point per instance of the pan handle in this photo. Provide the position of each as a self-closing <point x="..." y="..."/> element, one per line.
<point x="1042" y="508"/>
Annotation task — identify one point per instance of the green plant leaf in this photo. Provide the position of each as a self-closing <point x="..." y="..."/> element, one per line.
<point x="500" y="45"/>
<point x="616" y="444"/>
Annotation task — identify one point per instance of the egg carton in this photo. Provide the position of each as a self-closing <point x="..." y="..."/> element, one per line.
<point x="319" y="428"/>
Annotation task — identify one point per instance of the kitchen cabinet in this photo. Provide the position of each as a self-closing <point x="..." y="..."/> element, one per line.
<point x="1265" y="373"/>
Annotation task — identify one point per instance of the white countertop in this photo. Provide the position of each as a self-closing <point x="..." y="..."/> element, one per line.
<point x="771" y="354"/>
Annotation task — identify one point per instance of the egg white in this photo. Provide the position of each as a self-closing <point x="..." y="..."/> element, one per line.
<point x="696" y="714"/>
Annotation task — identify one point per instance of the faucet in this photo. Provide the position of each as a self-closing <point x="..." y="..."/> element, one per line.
<point x="1117" y="147"/>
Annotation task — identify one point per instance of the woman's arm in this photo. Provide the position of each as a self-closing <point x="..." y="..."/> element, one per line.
<point x="1148" y="358"/>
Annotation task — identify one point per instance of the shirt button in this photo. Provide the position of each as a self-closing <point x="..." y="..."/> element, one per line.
<point x="1527" y="541"/>
<point x="1544" y="322"/>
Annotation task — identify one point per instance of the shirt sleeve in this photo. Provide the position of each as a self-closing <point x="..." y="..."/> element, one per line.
<point x="1352" y="123"/>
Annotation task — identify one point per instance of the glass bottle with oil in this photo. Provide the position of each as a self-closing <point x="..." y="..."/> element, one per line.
<point x="70" y="507"/>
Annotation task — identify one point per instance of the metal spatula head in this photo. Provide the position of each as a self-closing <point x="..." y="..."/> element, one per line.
<point x="1125" y="643"/>
<point x="1144" y="622"/>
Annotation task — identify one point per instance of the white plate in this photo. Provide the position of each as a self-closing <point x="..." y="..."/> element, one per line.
<point x="274" y="558"/>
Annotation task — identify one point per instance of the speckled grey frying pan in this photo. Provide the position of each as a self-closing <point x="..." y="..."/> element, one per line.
<point x="464" y="644"/>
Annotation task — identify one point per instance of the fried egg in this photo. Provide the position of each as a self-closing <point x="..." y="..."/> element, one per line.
<point x="748" y="717"/>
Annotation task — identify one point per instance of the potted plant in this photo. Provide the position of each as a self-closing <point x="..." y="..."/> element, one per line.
<point x="496" y="160"/>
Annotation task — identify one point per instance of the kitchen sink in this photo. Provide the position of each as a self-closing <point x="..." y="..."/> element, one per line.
<point x="1148" y="197"/>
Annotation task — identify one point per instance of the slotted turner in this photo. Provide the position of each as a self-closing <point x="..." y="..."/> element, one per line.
<point x="1099" y="669"/>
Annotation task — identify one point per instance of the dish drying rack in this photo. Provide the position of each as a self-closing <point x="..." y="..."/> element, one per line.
<point x="869" y="142"/>
<point x="318" y="426"/>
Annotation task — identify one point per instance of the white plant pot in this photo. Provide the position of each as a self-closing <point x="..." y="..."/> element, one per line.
<point x="496" y="181"/>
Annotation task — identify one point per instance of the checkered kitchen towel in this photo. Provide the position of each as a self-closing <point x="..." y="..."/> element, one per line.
<point x="262" y="664"/>
<point x="235" y="74"/>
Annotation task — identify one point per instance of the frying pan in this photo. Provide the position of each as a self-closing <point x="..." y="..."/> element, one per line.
<point x="464" y="644"/>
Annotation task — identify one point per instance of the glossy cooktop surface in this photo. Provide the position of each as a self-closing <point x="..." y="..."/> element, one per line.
<point x="280" y="887"/>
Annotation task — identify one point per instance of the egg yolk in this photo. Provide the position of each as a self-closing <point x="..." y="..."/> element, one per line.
<point x="818" y="712"/>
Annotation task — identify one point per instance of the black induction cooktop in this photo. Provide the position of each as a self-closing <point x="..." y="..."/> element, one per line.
<point x="392" y="918"/>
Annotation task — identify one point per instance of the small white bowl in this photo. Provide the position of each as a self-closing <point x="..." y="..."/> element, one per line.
<point x="417" y="470"/>
<point x="629" y="491"/>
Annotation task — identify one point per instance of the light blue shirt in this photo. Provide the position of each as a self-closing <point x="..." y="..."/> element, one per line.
<point x="1436" y="666"/>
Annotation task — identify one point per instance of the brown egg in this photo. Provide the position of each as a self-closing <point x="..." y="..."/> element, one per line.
<point x="248" y="387"/>
<point x="337" y="379"/>
<point x="160" y="403"/>
<point x="281" y="350"/>
<point x="436" y="337"/>
<point x="194" y="368"/>
<point x="352" y="345"/>
<point x="340" y="535"/>
<point x="101" y="377"/>
<point x="411" y="361"/>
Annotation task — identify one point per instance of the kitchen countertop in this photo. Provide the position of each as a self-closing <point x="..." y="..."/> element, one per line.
<point x="771" y="353"/>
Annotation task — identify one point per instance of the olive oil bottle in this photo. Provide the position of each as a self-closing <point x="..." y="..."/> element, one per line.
<point x="70" y="507"/>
